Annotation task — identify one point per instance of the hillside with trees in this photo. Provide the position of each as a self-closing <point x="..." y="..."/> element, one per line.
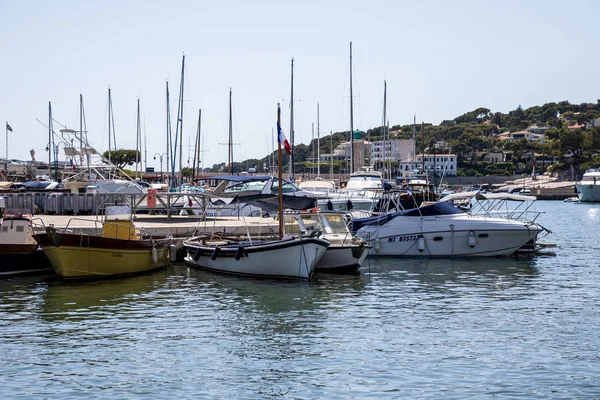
<point x="571" y="132"/>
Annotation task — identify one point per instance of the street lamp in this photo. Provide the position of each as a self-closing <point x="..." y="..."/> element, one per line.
<point x="160" y="156"/>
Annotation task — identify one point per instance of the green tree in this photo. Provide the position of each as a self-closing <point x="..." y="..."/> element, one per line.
<point x="121" y="157"/>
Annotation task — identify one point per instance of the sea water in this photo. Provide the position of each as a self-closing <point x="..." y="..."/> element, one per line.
<point x="522" y="328"/>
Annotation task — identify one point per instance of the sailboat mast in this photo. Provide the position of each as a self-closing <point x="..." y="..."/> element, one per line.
<point x="196" y="148"/>
<point x="331" y="154"/>
<point x="81" y="141"/>
<point x="109" y="125"/>
<point x="414" y="159"/>
<point x="279" y="181"/>
<point x="423" y="148"/>
<point x="145" y="147"/>
<point x="386" y="140"/>
<point x="138" y="140"/>
<point x="80" y="122"/>
<point x="351" y="117"/>
<point x="292" y="123"/>
<point x="318" y="143"/>
<point x="168" y="129"/>
<point x="230" y="142"/>
<point x="50" y="144"/>
<point x="312" y="149"/>
<point x="180" y="122"/>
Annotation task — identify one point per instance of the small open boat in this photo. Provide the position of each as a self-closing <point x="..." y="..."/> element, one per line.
<point x="19" y="252"/>
<point x="120" y="249"/>
<point x="294" y="257"/>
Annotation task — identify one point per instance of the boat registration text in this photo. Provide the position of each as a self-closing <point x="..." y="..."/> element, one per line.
<point x="405" y="238"/>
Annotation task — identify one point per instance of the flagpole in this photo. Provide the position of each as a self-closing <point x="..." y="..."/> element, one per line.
<point x="280" y="166"/>
<point x="6" y="128"/>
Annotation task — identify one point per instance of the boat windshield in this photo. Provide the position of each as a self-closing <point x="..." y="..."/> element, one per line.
<point x="239" y="187"/>
<point x="286" y="188"/>
<point x="336" y="222"/>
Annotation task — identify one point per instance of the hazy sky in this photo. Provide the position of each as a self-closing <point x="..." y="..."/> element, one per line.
<point x="440" y="59"/>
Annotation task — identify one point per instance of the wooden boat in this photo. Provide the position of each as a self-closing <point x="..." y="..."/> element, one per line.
<point x="285" y="257"/>
<point x="294" y="257"/>
<point x="120" y="249"/>
<point x="19" y="252"/>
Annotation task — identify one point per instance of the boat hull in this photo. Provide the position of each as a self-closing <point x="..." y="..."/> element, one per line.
<point x="589" y="192"/>
<point x="448" y="236"/>
<point x="18" y="259"/>
<point x="293" y="258"/>
<point x="83" y="256"/>
<point x="343" y="257"/>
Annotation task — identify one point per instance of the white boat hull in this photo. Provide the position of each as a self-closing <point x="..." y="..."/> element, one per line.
<point x="288" y="258"/>
<point x="589" y="192"/>
<point x="343" y="257"/>
<point x="458" y="235"/>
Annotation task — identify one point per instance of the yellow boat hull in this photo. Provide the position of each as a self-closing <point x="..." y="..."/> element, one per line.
<point x="83" y="262"/>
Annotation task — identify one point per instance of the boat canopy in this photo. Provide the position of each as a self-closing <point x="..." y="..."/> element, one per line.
<point x="486" y="196"/>
<point x="241" y="178"/>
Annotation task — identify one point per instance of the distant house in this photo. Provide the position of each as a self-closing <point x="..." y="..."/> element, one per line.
<point x="520" y="135"/>
<point x="543" y="160"/>
<point x="538" y="129"/>
<point x="494" y="157"/>
<point x="576" y="126"/>
<point x="595" y="123"/>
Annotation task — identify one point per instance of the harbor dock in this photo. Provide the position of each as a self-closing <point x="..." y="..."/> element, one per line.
<point x="160" y="225"/>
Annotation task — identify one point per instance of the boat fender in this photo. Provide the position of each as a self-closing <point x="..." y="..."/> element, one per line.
<point x="377" y="245"/>
<point x="421" y="243"/>
<point x="154" y="255"/>
<point x="472" y="239"/>
<point x="215" y="253"/>
<point x="240" y="253"/>
<point x="197" y="254"/>
<point x="172" y="253"/>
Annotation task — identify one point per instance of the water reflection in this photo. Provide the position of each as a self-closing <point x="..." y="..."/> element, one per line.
<point x="442" y="275"/>
<point x="76" y="300"/>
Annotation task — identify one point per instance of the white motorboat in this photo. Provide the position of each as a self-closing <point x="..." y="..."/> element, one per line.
<point x="261" y="191"/>
<point x="365" y="179"/>
<point x="588" y="189"/>
<point x="346" y="252"/>
<point x="442" y="230"/>
<point x="334" y="198"/>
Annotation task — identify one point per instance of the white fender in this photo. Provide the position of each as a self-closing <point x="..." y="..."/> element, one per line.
<point x="472" y="239"/>
<point x="421" y="243"/>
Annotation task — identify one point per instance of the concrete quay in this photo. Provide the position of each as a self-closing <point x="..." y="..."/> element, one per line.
<point x="176" y="226"/>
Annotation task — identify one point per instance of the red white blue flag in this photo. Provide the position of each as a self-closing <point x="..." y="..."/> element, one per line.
<point x="283" y="140"/>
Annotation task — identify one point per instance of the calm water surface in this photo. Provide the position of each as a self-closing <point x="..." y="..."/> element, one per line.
<point x="454" y="329"/>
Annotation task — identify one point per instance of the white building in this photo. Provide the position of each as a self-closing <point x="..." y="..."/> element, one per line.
<point x="394" y="150"/>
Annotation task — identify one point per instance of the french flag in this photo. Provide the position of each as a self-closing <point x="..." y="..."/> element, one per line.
<point x="283" y="140"/>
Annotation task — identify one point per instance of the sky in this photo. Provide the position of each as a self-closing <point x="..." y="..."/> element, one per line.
<point x="440" y="59"/>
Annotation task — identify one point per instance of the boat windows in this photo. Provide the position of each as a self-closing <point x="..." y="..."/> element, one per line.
<point x="482" y="235"/>
<point x="288" y="187"/>
<point x="438" y="238"/>
<point x="238" y="187"/>
<point x="337" y="223"/>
